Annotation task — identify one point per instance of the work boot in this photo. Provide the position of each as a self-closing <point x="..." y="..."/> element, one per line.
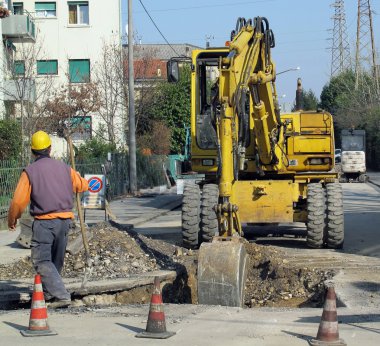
<point x="48" y="296"/>
<point x="59" y="303"/>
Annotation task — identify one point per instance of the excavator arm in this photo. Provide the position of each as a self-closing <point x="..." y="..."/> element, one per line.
<point x="247" y="73"/>
<point x="247" y="92"/>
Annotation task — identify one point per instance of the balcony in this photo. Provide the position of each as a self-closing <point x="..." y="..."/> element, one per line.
<point x="19" y="27"/>
<point x="17" y="90"/>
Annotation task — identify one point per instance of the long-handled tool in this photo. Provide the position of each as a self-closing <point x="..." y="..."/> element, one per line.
<point x="88" y="268"/>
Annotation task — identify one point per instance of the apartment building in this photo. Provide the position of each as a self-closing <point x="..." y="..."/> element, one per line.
<point x="68" y="38"/>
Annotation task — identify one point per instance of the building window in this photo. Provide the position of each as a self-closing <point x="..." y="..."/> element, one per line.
<point x="47" y="67"/>
<point x="18" y="8"/>
<point x="81" y="128"/>
<point x="78" y="13"/>
<point x="79" y="71"/>
<point x="19" y="67"/>
<point x="45" y="9"/>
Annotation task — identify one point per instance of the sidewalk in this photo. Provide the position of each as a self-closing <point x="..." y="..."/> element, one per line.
<point x="195" y="325"/>
<point x="374" y="178"/>
<point x="133" y="211"/>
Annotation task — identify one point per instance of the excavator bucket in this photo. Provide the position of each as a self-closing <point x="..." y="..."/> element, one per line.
<point x="222" y="272"/>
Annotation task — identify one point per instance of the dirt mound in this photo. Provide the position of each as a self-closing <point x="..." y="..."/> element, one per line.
<point x="117" y="253"/>
<point x="272" y="281"/>
<point x="114" y="253"/>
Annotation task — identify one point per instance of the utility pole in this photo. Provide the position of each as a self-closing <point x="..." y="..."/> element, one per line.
<point x="365" y="43"/>
<point x="132" y="123"/>
<point x="340" y="50"/>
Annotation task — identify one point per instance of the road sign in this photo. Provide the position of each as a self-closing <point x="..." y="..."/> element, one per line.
<point x="95" y="184"/>
<point x="94" y="198"/>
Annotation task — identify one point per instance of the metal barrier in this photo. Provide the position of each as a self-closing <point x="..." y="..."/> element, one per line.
<point x="150" y="172"/>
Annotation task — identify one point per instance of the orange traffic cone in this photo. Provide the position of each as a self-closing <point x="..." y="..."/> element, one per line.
<point x="38" y="325"/>
<point x="156" y="326"/>
<point x="328" y="334"/>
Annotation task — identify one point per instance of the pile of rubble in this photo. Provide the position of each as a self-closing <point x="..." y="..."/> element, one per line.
<point x="274" y="281"/>
<point x="116" y="253"/>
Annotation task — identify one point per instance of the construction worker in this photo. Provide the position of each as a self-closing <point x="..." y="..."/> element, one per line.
<point x="48" y="185"/>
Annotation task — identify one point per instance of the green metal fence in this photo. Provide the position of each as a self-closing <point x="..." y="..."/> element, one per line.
<point x="150" y="172"/>
<point x="9" y="174"/>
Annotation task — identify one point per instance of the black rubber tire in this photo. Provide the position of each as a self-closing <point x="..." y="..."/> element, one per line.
<point x="335" y="216"/>
<point x="316" y="214"/>
<point x="191" y="205"/>
<point x="363" y="178"/>
<point x="209" y="221"/>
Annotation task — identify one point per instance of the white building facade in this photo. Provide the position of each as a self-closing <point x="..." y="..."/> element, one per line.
<point x="70" y="36"/>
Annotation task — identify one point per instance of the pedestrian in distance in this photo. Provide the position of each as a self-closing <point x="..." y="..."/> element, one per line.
<point x="48" y="185"/>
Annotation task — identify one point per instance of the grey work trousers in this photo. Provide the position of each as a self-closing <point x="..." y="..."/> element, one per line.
<point x="48" y="245"/>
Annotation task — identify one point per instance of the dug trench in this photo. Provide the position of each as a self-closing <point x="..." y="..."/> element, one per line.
<point x="118" y="253"/>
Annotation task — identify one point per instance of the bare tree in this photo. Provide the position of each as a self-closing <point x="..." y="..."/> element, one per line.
<point x="110" y="78"/>
<point x="70" y="102"/>
<point x="148" y="74"/>
<point x="23" y="94"/>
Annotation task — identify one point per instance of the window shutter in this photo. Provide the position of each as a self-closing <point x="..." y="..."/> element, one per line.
<point x="45" y="6"/>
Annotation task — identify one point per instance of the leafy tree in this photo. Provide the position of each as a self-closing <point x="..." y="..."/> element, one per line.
<point x="10" y="140"/>
<point x="172" y="106"/>
<point x="157" y="141"/>
<point x="309" y="101"/>
<point x="356" y="106"/>
<point x="334" y="94"/>
<point x="95" y="148"/>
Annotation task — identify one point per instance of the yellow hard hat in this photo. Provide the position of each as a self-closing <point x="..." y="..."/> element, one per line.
<point x="40" y="140"/>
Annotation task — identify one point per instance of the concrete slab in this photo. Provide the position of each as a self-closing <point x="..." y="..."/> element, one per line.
<point x="19" y="291"/>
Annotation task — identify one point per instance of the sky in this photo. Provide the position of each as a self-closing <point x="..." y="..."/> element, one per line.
<point x="302" y="30"/>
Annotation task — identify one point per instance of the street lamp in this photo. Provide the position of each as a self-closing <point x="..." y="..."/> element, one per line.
<point x="290" y="69"/>
<point x="283" y="103"/>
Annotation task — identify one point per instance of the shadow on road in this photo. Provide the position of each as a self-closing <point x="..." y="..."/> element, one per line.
<point x="131" y="328"/>
<point x="345" y="319"/>
<point x="367" y="286"/>
<point x="15" y="326"/>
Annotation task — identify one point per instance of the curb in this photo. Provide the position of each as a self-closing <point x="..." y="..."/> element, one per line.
<point x="20" y="292"/>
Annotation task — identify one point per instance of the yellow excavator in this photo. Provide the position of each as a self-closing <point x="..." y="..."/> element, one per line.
<point x="260" y="166"/>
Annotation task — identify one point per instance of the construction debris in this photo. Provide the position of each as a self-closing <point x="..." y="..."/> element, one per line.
<point x="116" y="253"/>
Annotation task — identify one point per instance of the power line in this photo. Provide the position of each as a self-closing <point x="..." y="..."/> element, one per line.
<point x="234" y="4"/>
<point x="162" y="35"/>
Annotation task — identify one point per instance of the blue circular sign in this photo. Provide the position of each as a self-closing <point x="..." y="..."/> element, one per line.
<point x="95" y="184"/>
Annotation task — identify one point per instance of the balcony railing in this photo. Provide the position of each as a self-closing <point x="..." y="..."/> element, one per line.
<point x="19" y="27"/>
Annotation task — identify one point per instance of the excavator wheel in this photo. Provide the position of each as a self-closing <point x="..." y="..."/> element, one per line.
<point x="335" y="216"/>
<point x="222" y="272"/>
<point x="316" y="213"/>
<point x="209" y="221"/>
<point x="191" y="204"/>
